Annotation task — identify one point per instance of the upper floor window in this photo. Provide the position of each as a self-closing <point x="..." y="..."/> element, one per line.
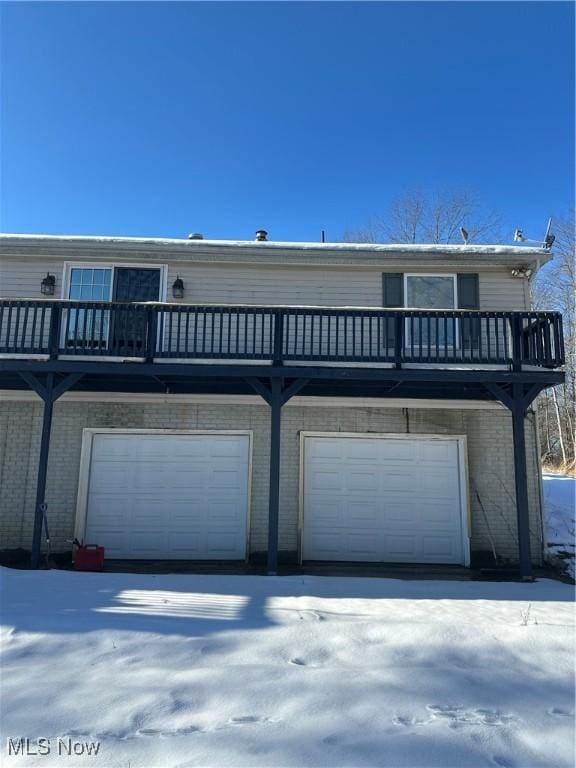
<point x="430" y="291"/>
<point x="89" y="284"/>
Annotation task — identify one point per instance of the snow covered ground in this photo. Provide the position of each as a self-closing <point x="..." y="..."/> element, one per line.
<point x="185" y="670"/>
<point x="560" y="519"/>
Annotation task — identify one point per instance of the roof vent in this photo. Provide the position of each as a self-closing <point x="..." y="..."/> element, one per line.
<point x="195" y="236"/>
<point x="261" y="235"/>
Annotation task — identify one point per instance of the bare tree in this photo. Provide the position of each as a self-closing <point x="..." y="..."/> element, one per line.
<point x="436" y="217"/>
<point x="555" y="289"/>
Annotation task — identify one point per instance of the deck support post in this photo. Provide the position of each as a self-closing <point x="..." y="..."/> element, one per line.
<point x="49" y="393"/>
<point x="521" y="485"/>
<point x="517" y="401"/>
<point x="276" y="395"/>
<point x="274" y="483"/>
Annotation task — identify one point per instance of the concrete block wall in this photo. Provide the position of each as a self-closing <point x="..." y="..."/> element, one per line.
<point x="490" y="461"/>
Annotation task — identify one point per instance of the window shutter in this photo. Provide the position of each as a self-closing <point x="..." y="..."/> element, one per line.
<point x="468" y="293"/>
<point x="469" y="298"/>
<point x="392" y="289"/>
<point x="393" y="297"/>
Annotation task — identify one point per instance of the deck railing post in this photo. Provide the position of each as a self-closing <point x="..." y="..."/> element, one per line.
<point x="54" y="331"/>
<point x="516" y="324"/>
<point x="151" y="334"/>
<point x="277" y="352"/>
<point x="399" y="324"/>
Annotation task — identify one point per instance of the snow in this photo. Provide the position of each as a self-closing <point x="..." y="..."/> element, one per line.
<point x="503" y="250"/>
<point x="560" y="519"/>
<point x="199" y="670"/>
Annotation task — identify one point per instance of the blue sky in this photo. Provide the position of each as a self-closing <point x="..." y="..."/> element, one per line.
<point x="165" y="118"/>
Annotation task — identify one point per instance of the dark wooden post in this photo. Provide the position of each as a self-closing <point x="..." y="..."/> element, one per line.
<point x="521" y="482"/>
<point x="399" y="323"/>
<point x="516" y="325"/>
<point x="277" y="353"/>
<point x="48" y="402"/>
<point x="274" y="485"/>
<point x="151" y="333"/>
<point x="54" y="331"/>
<point x="517" y="403"/>
<point x="49" y="393"/>
<point x="276" y="396"/>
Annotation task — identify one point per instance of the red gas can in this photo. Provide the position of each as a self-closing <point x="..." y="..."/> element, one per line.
<point x="89" y="557"/>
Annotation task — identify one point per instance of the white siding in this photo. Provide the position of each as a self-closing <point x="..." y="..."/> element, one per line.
<point x="243" y="284"/>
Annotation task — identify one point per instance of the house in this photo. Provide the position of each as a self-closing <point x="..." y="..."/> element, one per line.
<point x="198" y="399"/>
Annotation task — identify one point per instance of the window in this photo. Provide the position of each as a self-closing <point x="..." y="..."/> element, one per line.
<point x="88" y="328"/>
<point x="93" y="326"/>
<point x="88" y="284"/>
<point x="431" y="292"/>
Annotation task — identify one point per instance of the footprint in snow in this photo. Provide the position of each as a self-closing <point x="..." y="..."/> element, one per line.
<point x="458" y="716"/>
<point x="166" y="733"/>
<point x="407" y="722"/>
<point x="251" y="720"/>
<point x="557" y="712"/>
<point x="503" y="762"/>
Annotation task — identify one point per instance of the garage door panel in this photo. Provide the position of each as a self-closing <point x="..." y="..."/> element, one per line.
<point x="439" y="546"/>
<point x="366" y="451"/>
<point x="397" y="479"/>
<point x="325" y="480"/>
<point x="328" y="511"/>
<point x="400" y="510"/>
<point x="382" y="499"/>
<point x="396" y="450"/>
<point x="323" y="545"/>
<point x="186" y="503"/>
<point x="145" y="542"/>
<point x="222" y="544"/>
<point x="361" y="481"/>
<point x="226" y="448"/>
<point x="438" y="452"/>
<point x="402" y="547"/>
<point x="361" y="546"/>
<point x="366" y="513"/>
<point x="324" y="449"/>
<point x="187" y="478"/>
<point x="225" y="478"/>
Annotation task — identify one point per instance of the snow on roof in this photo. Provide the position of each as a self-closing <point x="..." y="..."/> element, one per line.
<point x="509" y="250"/>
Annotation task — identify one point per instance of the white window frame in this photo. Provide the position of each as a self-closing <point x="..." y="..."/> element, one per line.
<point x="454" y="276"/>
<point x="112" y="265"/>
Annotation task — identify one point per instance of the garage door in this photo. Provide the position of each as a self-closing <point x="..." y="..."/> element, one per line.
<point x="169" y="496"/>
<point x="394" y="500"/>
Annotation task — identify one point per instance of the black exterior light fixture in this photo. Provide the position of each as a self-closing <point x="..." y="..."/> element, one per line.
<point x="178" y="288"/>
<point x="48" y="285"/>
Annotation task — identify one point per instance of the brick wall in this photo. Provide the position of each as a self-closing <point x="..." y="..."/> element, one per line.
<point x="490" y="460"/>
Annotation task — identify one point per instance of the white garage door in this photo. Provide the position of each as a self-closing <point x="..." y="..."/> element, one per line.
<point x="394" y="500"/>
<point x="169" y="496"/>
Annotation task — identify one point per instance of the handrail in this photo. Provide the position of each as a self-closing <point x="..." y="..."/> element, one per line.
<point x="280" y="335"/>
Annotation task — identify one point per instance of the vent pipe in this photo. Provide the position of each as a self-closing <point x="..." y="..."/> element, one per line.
<point x="261" y="235"/>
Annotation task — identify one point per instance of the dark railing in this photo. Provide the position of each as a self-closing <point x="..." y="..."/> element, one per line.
<point x="280" y="334"/>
